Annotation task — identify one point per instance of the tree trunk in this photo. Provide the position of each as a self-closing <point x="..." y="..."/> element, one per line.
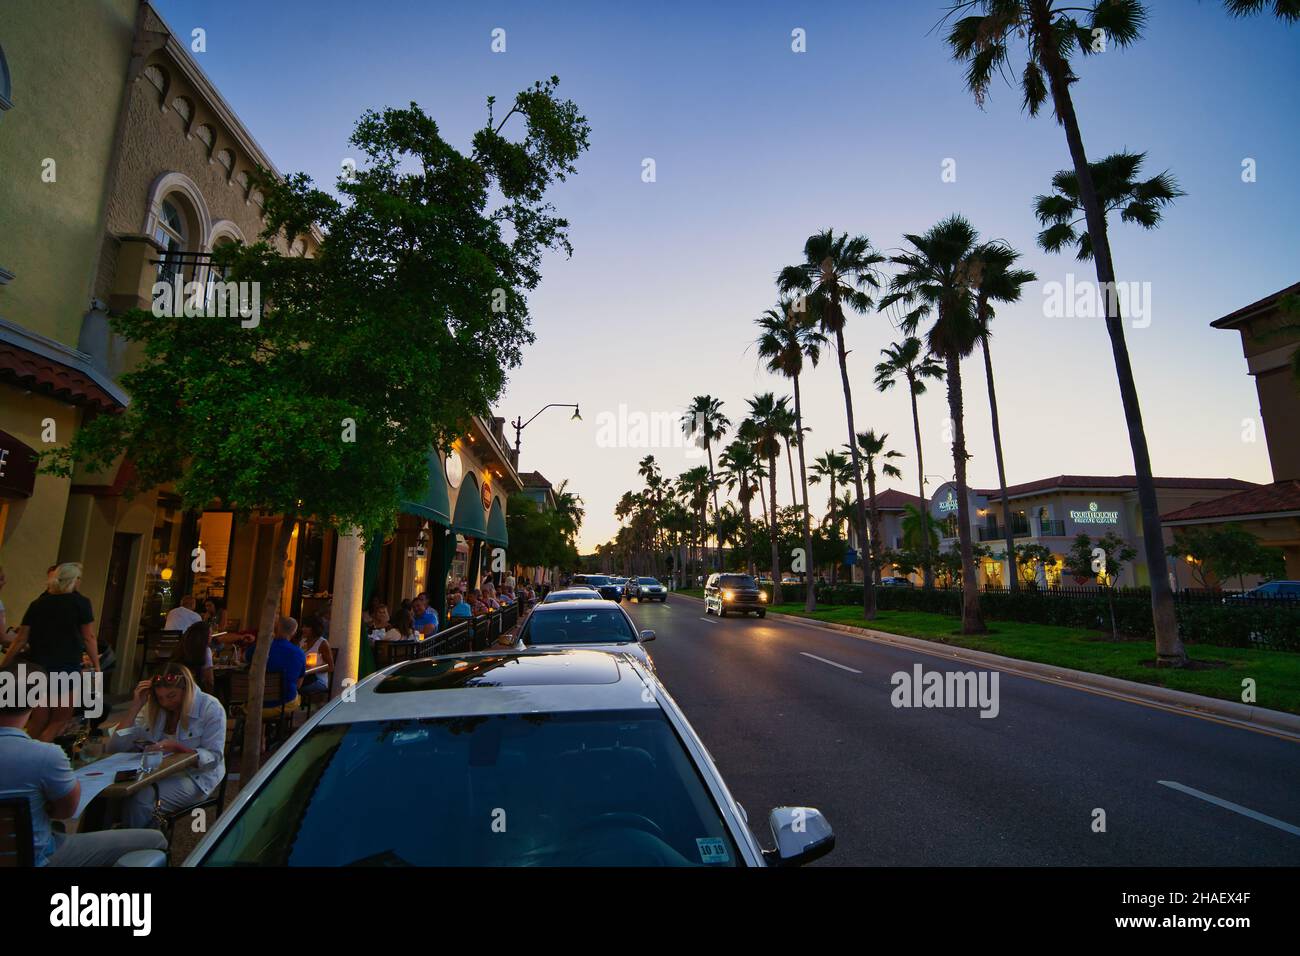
<point x="772" y="532"/>
<point x="927" y="571"/>
<point x="835" y="565"/>
<point x="251" y="758"/>
<point x="1169" y="646"/>
<point x="789" y="461"/>
<point x="971" y="621"/>
<point x="1012" y="584"/>
<point x="868" y="592"/>
<point x="717" y="514"/>
<point x="810" y="592"/>
<point x="874" y="517"/>
<point x="749" y="530"/>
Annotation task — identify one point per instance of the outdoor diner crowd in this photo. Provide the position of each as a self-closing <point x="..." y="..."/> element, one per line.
<point x="93" y="783"/>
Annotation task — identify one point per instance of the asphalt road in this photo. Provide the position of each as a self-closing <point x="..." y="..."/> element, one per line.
<point x="946" y="787"/>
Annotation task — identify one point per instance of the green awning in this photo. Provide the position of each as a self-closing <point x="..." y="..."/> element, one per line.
<point x="496" y="527"/>
<point x="435" y="503"/>
<point x="469" y="519"/>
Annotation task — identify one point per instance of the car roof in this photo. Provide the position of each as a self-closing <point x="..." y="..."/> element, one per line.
<point x="506" y="681"/>
<point x="594" y="601"/>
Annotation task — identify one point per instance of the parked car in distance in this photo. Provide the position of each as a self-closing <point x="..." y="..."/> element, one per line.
<point x="734" y="592"/>
<point x="578" y="592"/>
<point x="603" y="583"/>
<point x="1282" y="590"/>
<point x="645" y="589"/>
<point x="585" y="623"/>
<point x="595" y="761"/>
<point x="896" y="583"/>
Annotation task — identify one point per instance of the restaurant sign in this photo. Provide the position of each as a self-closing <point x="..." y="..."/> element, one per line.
<point x="944" y="503"/>
<point x="17" y="467"/>
<point x="486" y="490"/>
<point x="1094" y="516"/>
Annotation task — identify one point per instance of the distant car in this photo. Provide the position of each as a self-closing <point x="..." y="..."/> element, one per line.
<point x="603" y="583"/>
<point x="620" y="583"/>
<point x="589" y="624"/>
<point x="578" y="592"/>
<point x="645" y="589"/>
<point x="593" y="760"/>
<point x="1273" y="589"/>
<point x="896" y="583"/>
<point x="734" y="592"/>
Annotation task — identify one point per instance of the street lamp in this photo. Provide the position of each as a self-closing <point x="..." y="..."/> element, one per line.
<point x="520" y="425"/>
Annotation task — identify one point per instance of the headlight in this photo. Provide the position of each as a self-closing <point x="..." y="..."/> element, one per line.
<point x="727" y="595"/>
<point x="762" y="595"/>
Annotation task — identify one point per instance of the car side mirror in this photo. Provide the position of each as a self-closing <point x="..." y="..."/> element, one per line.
<point x="142" y="858"/>
<point x="647" y="635"/>
<point x="801" y="835"/>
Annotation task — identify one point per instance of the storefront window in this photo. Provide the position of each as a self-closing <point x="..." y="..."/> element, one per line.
<point x="214" y="538"/>
<point x="163" y="570"/>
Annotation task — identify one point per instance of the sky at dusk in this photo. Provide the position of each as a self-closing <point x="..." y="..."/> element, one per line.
<point x="756" y="146"/>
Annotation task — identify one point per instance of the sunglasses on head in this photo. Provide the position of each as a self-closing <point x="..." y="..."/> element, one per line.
<point x="168" y="679"/>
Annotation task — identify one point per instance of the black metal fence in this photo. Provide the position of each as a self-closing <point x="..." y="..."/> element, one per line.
<point x="473" y="634"/>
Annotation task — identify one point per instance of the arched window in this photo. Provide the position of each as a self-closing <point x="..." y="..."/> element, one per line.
<point x="170" y="234"/>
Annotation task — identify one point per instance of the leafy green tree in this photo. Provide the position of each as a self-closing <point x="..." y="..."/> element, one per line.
<point x="908" y="361"/>
<point x="1029" y="558"/>
<point x="1222" y="552"/>
<point x="1102" y="561"/>
<point x="835" y="276"/>
<point x="320" y="408"/>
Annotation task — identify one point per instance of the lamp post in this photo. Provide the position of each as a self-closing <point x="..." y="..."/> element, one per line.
<point x="519" y="424"/>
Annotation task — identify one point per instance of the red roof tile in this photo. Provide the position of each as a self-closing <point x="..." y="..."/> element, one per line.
<point x="1118" y="482"/>
<point x="40" y="374"/>
<point x="1278" y="497"/>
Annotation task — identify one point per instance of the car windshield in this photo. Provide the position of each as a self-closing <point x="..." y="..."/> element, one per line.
<point x="578" y="625"/>
<point x="647" y="580"/>
<point x="736" y="581"/>
<point x="559" y="789"/>
<point x="578" y="594"/>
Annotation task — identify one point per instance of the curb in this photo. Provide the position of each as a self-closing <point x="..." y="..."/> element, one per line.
<point x="1246" y="714"/>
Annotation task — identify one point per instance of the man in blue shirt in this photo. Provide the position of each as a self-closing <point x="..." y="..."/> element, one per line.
<point x="41" y="773"/>
<point x="286" y="662"/>
<point x="460" y="607"/>
<point x="423" y="617"/>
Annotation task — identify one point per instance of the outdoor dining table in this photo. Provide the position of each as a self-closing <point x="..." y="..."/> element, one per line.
<point x="101" y="797"/>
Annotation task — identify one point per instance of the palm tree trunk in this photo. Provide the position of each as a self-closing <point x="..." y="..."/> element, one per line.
<point x="749" y="529"/>
<point x="830" y="513"/>
<point x="810" y="592"/>
<point x="762" y="498"/>
<point x="1169" y="646"/>
<point x="1012" y="582"/>
<point x="927" y="571"/>
<point x="868" y="592"/>
<point x="874" y="516"/>
<point x="717" y="514"/>
<point x="789" y="461"/>
<point x="251" y="757"/>
<point x="971" y="621"/>
<point x="772" y="532"/>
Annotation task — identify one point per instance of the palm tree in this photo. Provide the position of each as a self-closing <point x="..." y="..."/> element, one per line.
<point x="704" y="416"/>
<point x="996" y="281"/>
<point x="740" y="466"/>
<point x="908" y="361"/>
<point x="1051" y="30"/>
<point x="1116" y="187"/>
<point x="920" y="530"/>
<point x="787" y="338"/>
<point x="648" y="469"/>
<point x="870" y="447"/>
<point x="833" y="468"/>
<point x="693" y="487"/>
<point x="765" y="413"/>
<point x="1288" y="10"/>
<point x="834" y="276"/>
<point x="788" y="425"/>
<point x="933" y="281"/>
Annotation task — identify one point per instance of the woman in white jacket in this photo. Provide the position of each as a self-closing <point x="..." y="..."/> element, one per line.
<point x="170" y="713"/>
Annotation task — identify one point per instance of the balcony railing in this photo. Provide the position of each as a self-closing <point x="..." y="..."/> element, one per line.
<point x="1051" y="527"/>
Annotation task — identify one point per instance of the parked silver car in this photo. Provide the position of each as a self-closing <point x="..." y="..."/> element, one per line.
<point x="589" y="622"/>
<point x="561" y="758"/>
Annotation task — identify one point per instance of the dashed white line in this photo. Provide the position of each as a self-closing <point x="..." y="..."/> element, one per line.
<point x="1229" y="805"/>
<point x="832" y="663"/>
<point x="709" y="620"/>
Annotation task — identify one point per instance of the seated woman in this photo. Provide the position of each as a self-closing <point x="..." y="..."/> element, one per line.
<point x="489" y="596"/>
<point x="402" y="625"/>
<point x="193" y="651"/>
<point x="214" y="614"/>
<point x="316" y="646"/>
<point x="169" y="712"/>
<point x="476" y="604"/>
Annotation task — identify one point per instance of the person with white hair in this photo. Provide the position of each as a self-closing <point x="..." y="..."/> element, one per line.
<point x="57" y="630"/>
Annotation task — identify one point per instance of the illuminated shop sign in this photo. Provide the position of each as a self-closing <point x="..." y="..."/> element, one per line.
<point x="1093" y="516"/>
<point x="948" y="504"/>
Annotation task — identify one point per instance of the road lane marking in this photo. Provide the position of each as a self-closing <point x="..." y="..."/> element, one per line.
<point x="1229" y="805"/>
<point x="709" y="620"/>
<point x="832" y="663"/>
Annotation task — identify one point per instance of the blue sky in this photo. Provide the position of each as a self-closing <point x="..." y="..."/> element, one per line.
<point x="756" y="146"/>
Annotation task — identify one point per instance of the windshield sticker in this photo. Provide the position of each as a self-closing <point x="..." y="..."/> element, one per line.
<point x="712" y="850"/>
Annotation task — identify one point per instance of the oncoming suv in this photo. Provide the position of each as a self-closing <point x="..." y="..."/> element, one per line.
<point x="734" y="592"/>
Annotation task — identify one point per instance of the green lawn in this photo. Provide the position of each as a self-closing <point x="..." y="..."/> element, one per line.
<point x="1276" y="673"/>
